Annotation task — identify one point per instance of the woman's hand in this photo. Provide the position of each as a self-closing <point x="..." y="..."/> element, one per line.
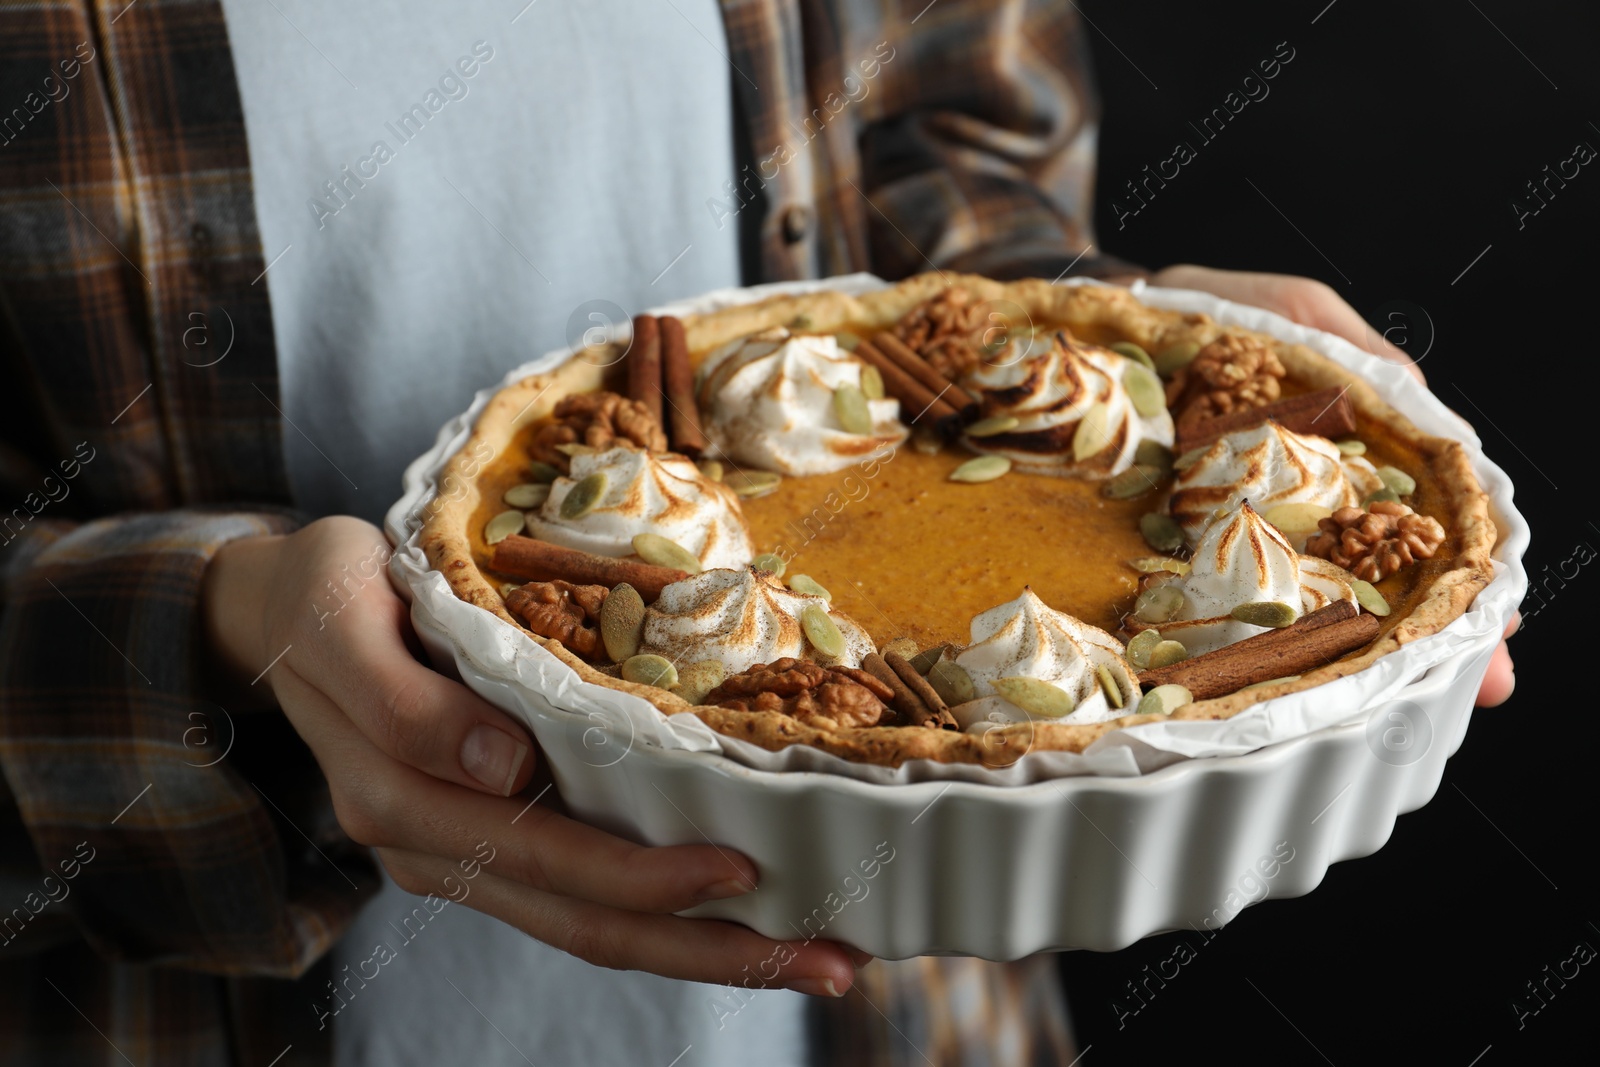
<point x="422" y="769"/>
<point x="1314" y="304"/>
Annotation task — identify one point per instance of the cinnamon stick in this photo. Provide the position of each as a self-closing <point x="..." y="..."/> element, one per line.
<point x="917" y="400"/>
<point x="677" y="379"/>
<point x="939" y="711"/>
<point x="1314" y="641"/>
<point x="644" y="365"/>
<point x="1324" y="412"/>
<point x="913" y="364"/>
<point x="526" y="557"/>
<point x="912" y="711"/>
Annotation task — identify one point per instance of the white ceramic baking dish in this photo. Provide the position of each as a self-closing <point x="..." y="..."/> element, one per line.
<point x="1003" y="871"/>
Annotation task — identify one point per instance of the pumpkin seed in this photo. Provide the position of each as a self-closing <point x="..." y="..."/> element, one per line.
<point x="926" y="441"/>
<point x="1159" y="603"/>
<point x="503" y="526"/>
<point x="582" y="497"/>
<point x="1137" y="480"/>
<point x="698" y="679"/>
<point x="951" y="681"/>
<point x="1161" y="532"/>
<point x="542" y="472"/>
<point x="1134" y="352"/>
<point x="822" y="631"/>
<point x="804" y="583"/>
<point x="800" y="322"/>
<point x="850" y="408"/>
<point x="1381" y="496"/>
<point x="923" y="661"/>
<point x="527" y="495"/>
<point x="1398" y="480"/>
<point x="1145" y="390"/>
<point x="575" y="449"/>
<point x="1190" y="458"/>
<point x="1351" y="447"/>
<point x="848" y="342"/>
<point x="1367" y="596"/>
<point x="1109" y="686"/>
<point x="981" y="469"/>
<point x="1035" y="696"/>
<point x="662" y="552"/>
<point x="903" y="646"/>
<point x="1139" y="649"/>
<point x="1271" y="613"/>
<point x="711" y="468"/>
<point x="1166" y="653"/>
<point x="1152" y="564"/>
<point x="751" y="484"/>
<point x="1296" y="518"/>
<point x="1164" y="700"/>
<point x="770" y="562"/>
<point x="1093" y="433"/>
<point x="872" y="382"/>
<point x="622" y="622"/>
<point x="994" y="424"/>
<point x="649" y="669"/>
<point x="1153" y="454"/>
<point x="1170" y="359"/>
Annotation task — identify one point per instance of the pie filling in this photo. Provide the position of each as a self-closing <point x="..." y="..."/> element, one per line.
<point x="965" y="519"/>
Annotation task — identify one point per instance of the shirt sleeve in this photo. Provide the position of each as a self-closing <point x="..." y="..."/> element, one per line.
<point x="167" y="828"/>
<point x="978" y="141"/>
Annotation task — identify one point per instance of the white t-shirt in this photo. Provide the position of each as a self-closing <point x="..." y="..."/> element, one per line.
<point x="440" y="188"/>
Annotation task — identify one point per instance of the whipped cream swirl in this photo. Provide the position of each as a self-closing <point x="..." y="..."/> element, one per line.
<point x="647" y="492"/>
<point x="768" y="402"/>
<point x="740" y="617"/>
<point x="1268" y="465"/>
<point x="1243" y="559"/>
<point x="1049" y="392"/>
<point x="1027" y="638"/>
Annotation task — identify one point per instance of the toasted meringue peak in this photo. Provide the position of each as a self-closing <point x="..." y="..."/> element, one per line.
<point x="648" y="492"/>
<point x="1049" y="389"/>
<point x="1243" y="559"/>
<point x="740" y="617"/>
<point x="768" y="403"/>
<point x="1028" y="638"/>
<point x="1267" y="465"/>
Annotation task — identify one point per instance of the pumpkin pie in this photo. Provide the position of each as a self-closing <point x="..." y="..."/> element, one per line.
<point x="956" y="519"/>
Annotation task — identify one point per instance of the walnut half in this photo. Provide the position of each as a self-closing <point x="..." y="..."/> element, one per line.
<point x="827" y="698"/>
<point x="946" y="330"/>
<point x="1375" y="543"/>
<point x="598" y="420"/>
<point x="561" y="610"/>
<point x="1230" y="374"/>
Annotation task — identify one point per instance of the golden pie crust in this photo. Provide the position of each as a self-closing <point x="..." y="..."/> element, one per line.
<point x="457" y="552"/>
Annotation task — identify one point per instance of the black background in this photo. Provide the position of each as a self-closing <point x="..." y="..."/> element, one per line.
<point x="1396" y="141"/>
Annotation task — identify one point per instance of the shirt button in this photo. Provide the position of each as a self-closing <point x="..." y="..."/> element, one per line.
<point x="796" y="223"/>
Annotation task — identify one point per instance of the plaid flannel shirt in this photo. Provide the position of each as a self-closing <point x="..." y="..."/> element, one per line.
<point x="173" y="902"/>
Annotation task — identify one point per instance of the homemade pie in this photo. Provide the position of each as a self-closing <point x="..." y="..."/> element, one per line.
<point x="956" y="519"/>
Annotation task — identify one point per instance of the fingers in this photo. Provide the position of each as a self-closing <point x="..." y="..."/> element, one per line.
<point x="1499" y="680"/>
<point x="412" y="713"/>
<point x="1303" y="300"/>
<point x="388" y="805"/>
<point x="694" y="950"/>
